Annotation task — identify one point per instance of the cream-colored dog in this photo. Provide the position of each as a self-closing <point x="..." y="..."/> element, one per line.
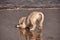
<point x="32" y="19"/>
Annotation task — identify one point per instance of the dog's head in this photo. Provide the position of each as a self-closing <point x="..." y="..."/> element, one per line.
<point x="22" y="23"/>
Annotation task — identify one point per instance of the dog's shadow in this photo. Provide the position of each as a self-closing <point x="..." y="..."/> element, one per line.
<point x="29" y="35"/>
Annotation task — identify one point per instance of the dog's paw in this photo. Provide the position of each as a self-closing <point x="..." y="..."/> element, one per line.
<point x="31" y="29"/>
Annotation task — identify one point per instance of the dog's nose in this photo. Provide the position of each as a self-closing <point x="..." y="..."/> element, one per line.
<point x="15" y="26"/>
<point x="18" y="26"/>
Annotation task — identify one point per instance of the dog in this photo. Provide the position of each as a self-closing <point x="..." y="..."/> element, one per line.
<point x="32" y="19"/>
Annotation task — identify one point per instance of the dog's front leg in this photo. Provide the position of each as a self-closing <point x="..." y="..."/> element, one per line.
<point x="33" y="27"/>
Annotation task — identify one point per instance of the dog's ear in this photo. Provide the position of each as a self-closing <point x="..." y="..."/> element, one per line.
<point x="21" y="20"/>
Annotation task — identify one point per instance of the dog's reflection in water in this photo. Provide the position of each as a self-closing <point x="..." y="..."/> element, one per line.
<point x="29" y="35"/>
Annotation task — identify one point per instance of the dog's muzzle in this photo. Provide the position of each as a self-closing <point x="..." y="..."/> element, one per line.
<point x="18" y="26"/>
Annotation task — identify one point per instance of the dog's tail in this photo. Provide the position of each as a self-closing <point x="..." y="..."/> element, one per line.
<point x="42" y="18"/>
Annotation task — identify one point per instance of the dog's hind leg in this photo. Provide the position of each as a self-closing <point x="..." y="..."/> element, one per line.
<point x="41" y="32"/>
<point x="41" y="26"/>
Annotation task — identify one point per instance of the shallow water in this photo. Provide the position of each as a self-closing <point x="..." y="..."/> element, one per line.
<point x="9" y="18"/>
